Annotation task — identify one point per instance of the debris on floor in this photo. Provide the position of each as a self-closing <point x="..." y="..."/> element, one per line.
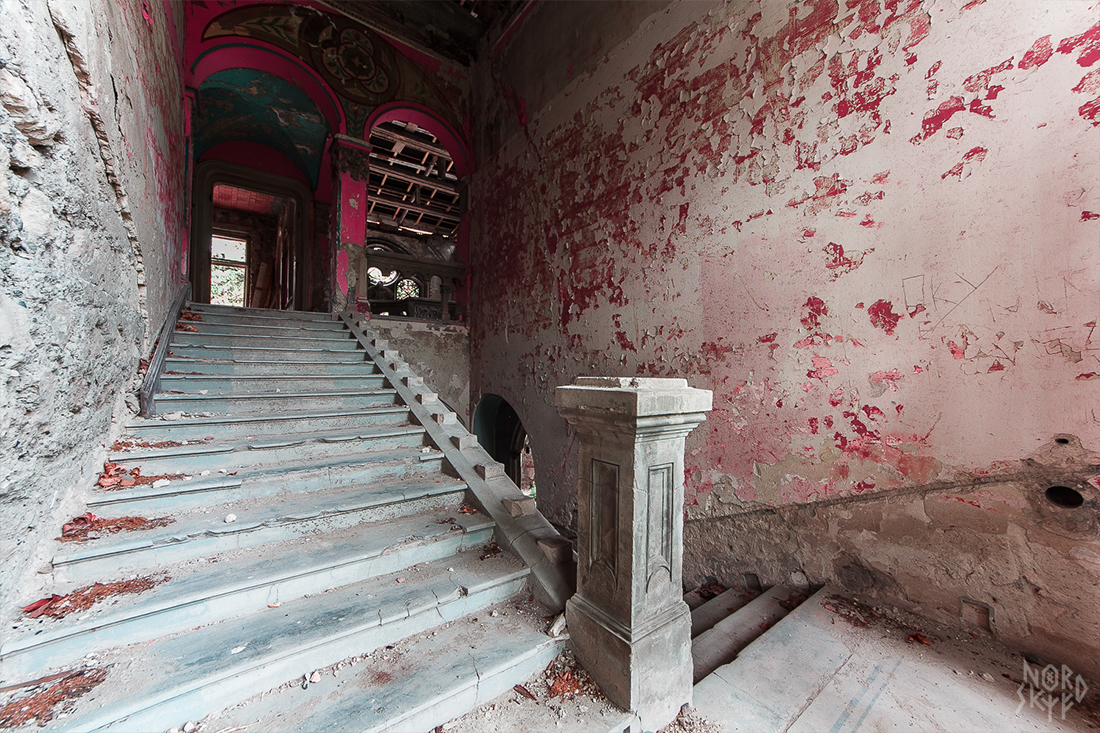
<point x="181" y="326"/>
<point x="84" y="598"/>
<point x="190" y="316"/>
<point x="80" y="529"/>
<point x="39" y="704"/>
<point x="490" y="550"/>
<point x="690" y="721"/>
<point x="125" y="445"/>
<point x="710" y="590"/>
<point x="116" y="476"/>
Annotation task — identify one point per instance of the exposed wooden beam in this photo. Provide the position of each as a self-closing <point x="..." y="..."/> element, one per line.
<point x="408" y="206"/>
<point x="412" y="141"/>
<point x="396" y="164"/>
<point x="400" y="175"/>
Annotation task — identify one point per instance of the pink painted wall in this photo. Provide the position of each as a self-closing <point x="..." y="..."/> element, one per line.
<point x="871" y="228"/>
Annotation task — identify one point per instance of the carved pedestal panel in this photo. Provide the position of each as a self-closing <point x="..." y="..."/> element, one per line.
<point x="628" y="621"/>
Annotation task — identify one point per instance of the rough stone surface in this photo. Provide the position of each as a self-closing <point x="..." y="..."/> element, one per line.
<point x="868" y="227"/>
<point x="91" y="204"/>
<point x="439" y="353"/>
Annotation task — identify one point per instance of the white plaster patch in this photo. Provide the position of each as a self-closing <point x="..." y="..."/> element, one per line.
<point x="1086" y="557"/>
<point x="14" y="325"/>
<point x="36" y="211"/>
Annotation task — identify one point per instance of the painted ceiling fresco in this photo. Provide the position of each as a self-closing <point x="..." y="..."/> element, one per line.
<point x="363" y="69"/>
<point x="258" y="107"/>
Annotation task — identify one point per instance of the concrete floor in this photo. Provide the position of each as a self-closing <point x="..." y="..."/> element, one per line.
<point x="836" y="666"/>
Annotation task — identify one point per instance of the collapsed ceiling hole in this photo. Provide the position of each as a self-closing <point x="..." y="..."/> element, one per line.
<point x="1064" y="496"/>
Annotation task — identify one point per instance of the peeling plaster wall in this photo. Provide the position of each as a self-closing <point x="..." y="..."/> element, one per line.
<point x="870" y="227"/>
<point x="438" y="352"/>
<point x="91" y="228"/>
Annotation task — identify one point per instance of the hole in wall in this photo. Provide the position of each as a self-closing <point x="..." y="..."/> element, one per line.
<point x="1061" y="441"/>
<point x="1064" y="496"/>
<point x="976" y="613"/>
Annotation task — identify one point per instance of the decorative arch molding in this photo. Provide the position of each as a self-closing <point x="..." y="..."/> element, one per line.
<point x="242" y="53"/>
<point x="212" y="173"/>
<point x="431" y="121"/>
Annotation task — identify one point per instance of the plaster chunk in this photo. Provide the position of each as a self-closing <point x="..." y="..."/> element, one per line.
<point x="31" y="118"/>
<point x="36" y="211"/>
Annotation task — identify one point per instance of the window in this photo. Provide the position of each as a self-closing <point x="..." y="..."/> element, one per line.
<point x="377" y="278"/>
<point x="228" y="269"/>
<point x="408" y="288"/>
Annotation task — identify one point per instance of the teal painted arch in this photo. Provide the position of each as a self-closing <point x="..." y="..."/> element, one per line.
<point x="256" y="106"/>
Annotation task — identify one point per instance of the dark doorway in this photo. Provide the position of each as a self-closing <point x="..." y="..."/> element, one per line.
<point x="500" y="432"/>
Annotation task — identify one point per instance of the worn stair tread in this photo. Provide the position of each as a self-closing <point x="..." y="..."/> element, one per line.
<point x="169" y="397"/>
<point x="223" y="321"/>
<point x="260" y="472"/>
<point x="758" y="689"/>
<point x="705" y="616"/>
<point x="200" y="448"/>
<point x="289" y="416"/>
<point x="260" y="576"/>
<point x="192" y="339"/>
<point x="206" y="332"/>
<point x="192" y="674"/>
<point x="266" y="478"/>
<point x="498" y="652"/>
<point x="227" y="327"/>
<point x="257" y="515"/>
<point x="275" y="314"/>
<point x="722" y="643"/>
<point x="263" y="383"/>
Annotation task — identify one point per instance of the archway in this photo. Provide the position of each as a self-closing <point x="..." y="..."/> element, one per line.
<point x="501" y="433"/>
<point x="292" y="275"/>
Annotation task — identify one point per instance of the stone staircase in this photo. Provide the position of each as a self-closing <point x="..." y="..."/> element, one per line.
<point x="310" y="504"/>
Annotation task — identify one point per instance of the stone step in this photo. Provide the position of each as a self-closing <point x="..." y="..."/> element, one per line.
<point x="255" y="482"/>
<point x="268" y="352"/>
<point x="228" y="326"/>
<point x="190" y="675"/>
<point x="722" y="643"/>
<point x="499" y="651"/>
<point x="244" y="582"/>
<point x="267" y="402"/>
<point x="201" y="532"/>
<point x="353" y="364"/>
<point x="777" y="676"/>
<point x="235" y="455"/>
<point x="705" y="616"/>
<point x="229" y="427"/>
<point x="262" y="341"/>
<point x="269" y="383"/>
<point x="265" y="313"/>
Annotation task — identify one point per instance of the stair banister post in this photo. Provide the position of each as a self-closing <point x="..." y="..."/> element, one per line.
<point x="628" y="621"/>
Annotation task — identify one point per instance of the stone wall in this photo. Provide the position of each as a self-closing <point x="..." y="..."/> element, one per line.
<point x="869" y="228"/>
<point x="439" y="352"/>
<point x="91" y="227"/>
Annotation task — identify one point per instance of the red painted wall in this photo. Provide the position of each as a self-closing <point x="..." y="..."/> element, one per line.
<point x="869" y="227"/>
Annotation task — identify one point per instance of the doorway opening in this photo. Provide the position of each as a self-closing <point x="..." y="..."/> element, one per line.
<point x="248" y="242"/>
<point x="502" y="435"/>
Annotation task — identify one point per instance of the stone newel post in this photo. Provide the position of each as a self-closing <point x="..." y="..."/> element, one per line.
<point x="628" y="621"/>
